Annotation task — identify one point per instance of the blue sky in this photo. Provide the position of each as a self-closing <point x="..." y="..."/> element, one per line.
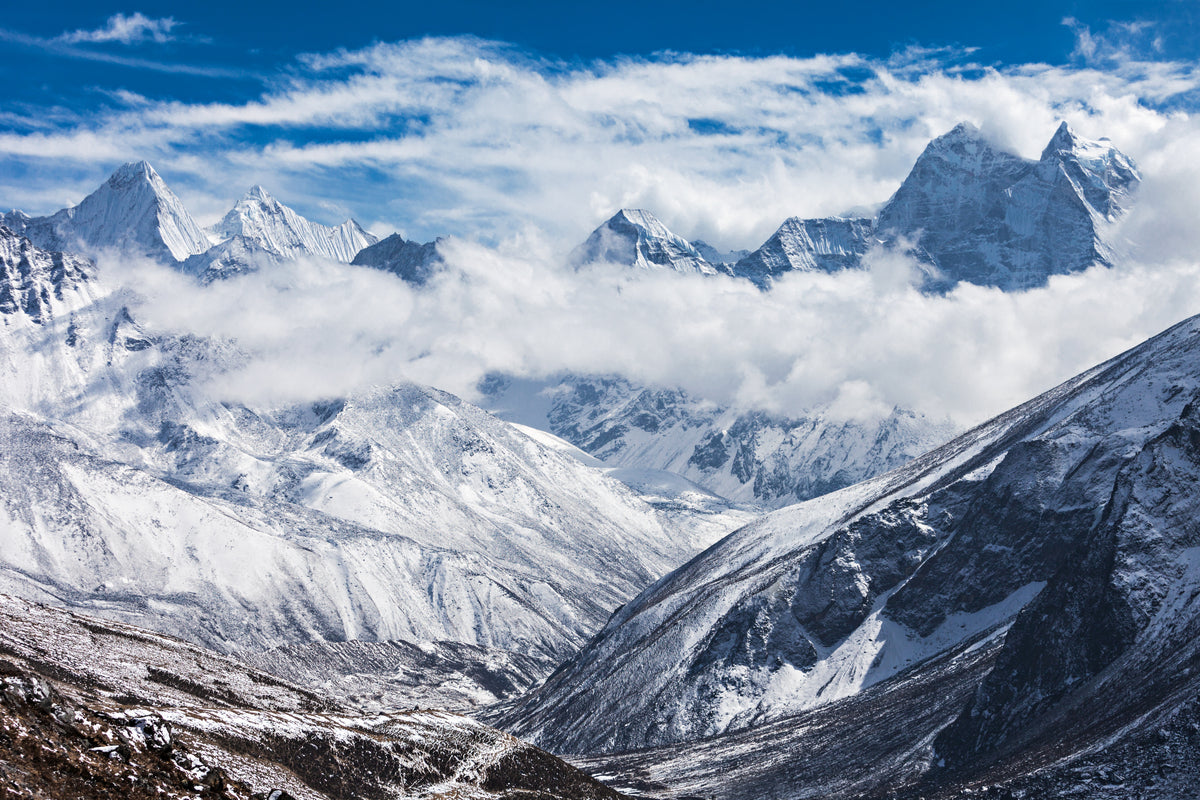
<point x="476" y="118"/>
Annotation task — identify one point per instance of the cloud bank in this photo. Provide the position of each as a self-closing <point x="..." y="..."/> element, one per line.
<point x="477" y="139"/>
<point x="520" y="157"/>
<point x="857" y="343"/>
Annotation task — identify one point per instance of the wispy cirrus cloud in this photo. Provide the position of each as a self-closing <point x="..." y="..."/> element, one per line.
<point x="59" y="47"/>
<point x="132" y="28"/>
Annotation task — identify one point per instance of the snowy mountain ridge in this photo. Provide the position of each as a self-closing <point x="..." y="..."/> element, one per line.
<point x="281" y="231"/>
<point x="749" y="457"/>
<point x="135" y="212"/>
<point x="974" y="212"/>
<point x="637" y="238"/>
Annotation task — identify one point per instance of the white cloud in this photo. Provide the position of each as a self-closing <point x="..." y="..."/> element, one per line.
<point x="475" y="138"/>
<point x="468" y="137"/>
<point x="126" y="29"/>
<point x="863" y="341"/>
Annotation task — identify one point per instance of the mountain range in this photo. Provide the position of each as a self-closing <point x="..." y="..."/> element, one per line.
<point x="968" y="211"/>
<point x="397" y="513"/>
<point x="134" y="212"/>
<point x="690" y="600"/>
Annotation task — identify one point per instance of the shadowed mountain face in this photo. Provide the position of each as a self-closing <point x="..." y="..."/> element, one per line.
<point x="1059" y="539"/>
<point x="412" y="262"/>
<point x="984" y="216"/>
<point x="807" y="245"/>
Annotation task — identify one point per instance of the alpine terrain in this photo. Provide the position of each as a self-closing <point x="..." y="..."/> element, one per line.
<point x="969" y="210"/>
<point x="1018" y="608"/>
<point x="397" y="513"/>
<point x="91" y="708"/>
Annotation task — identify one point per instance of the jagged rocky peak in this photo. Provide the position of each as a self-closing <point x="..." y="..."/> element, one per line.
<point x="636" y="238"/>
<point x="1103" y="175"/>
<point x="412" y="261"/>
<point x="830" y="244"/>
<point x="281" y="231"/>
<point x="980" y="214"/>
<point x="33" y="281"/>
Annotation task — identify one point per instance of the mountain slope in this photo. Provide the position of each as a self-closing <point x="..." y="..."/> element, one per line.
<point x="396" y="513"/>
<point x="745" y="456"/>
<point x="1076" y="507"/>
<point x="134" y="211"/>
<point x="636" y="238"/>
<point x="825" y="245"/>
<point x="411" y="261"/>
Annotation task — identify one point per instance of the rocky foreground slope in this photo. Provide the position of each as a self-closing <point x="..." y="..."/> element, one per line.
<point x="95" y="709"/>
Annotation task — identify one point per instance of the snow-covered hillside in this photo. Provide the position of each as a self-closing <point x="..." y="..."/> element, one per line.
<point x="1068" y="523"/>
<point x="91" y="708"/>
<point x="397" y="513"/>
<point x="413" y="262"/>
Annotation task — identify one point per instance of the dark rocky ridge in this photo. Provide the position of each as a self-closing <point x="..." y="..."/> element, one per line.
<point x="1065" y="527"/>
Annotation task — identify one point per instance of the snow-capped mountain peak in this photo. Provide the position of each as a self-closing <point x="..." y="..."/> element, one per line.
<point x="134" y="211"/>
<point x="983" y="215"/>
<point x="412" y="261"/>
<point x="281" y="231"/>
<point x="637" y="238"/>
<point x="1100" y="174"/>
